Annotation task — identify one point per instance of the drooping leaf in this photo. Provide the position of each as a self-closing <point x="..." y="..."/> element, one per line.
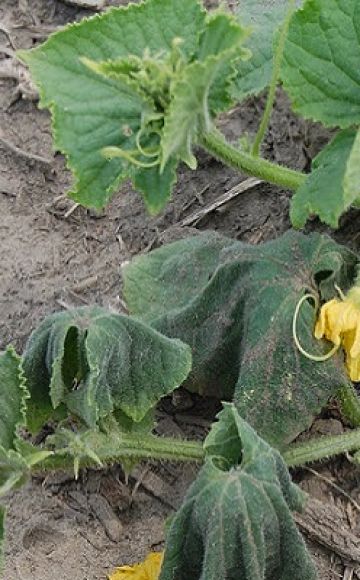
<point x="91" y="112"/>
<point x="233" y="303"/>
<point x="321" y="62"/>
<point x="93" y="362"/>
<point x="13" y="395"/>
<point x="235" y="522"/>
<point x="333" y="184"/>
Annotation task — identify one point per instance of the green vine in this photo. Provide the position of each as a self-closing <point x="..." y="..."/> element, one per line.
<point x="278" y="56"/>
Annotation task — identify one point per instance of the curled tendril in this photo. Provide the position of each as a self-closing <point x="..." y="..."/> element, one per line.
<point x="130" y="156"/>
<point x="151" y="151"/>
<point x="308" y="355"/>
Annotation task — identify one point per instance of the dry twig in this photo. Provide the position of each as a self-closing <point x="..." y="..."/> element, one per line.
<point x="222" y="200"/>
<point x="30" y="156"/>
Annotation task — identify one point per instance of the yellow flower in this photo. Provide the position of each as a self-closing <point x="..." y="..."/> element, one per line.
<point x="147" y="570"/>
<point x="339" y="322"/>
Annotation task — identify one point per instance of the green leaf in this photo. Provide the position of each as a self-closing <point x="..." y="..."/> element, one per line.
<point x="13" y="395"/>
<point x="325" y="193"/>
<point x="91" y="112"/>
<point x="196" y="93"/>
<point x="2" y="537"/>
<point x="236" y="522"/>
<point x="94" y="362"/>
<point x="233" y="303"/>
<point x="254" y="75"/>
<point x="156" y="188"/>
<point x="321" y="62"/>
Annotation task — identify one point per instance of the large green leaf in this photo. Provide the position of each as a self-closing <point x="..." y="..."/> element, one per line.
<point x="94" y="362"/>
<point x="324" y="193"/>
<point x="91" y="112"/>
<point x="321" y="69"/>
<point x="233" y="303"/>
<point x="13" y="395"/>
<point x="235" y="521"/>
<point x="130" y="91"/>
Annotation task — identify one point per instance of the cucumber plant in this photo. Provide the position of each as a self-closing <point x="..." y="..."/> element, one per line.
<point x="133" y="93"/>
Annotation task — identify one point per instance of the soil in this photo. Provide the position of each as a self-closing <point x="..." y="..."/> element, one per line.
<point x="55" y="255"/>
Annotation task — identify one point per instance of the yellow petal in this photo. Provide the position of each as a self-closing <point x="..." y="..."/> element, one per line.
<point x="147" y="570"/>
<point x="326" y="325"/>
<point x="339" y="322"/>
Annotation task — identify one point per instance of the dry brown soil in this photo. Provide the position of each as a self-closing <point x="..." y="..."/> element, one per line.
<point x="55" y="256"/>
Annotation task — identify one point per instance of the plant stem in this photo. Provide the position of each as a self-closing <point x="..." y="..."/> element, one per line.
<point x="322" y="448"/>
<point x="128" y="446"/>
<point x="350" y="404"/>
<point x="215" y="144"/>
<point x="278" y="56"/>
<point x="114" y="448"/>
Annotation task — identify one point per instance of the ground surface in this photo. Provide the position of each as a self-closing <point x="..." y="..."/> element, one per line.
<point x="54" y="256"/>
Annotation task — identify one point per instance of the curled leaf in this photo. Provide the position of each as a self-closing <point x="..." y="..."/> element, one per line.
<point x="235" y="521"/>
<point x="92" y="363"/>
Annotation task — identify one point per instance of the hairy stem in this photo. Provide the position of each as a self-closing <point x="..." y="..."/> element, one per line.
<point x="114" y="448"/>
<point x="350" y="404"/>
<point x="214" y="143"/>
<point x="322" y="448"/>
<point x="278" y="56"/>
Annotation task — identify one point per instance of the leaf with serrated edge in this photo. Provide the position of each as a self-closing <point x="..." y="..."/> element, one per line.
<point x="233" y="303"/>
<point x="13" y="396"/>
<point x="324" y="193"/>
<point x="321" y="70"/>
<point x="236" y="522"/>
<point x="91" y="112"/>
<point x="97" y="361"/>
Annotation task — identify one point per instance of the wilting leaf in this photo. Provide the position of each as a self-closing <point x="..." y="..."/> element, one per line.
<point x="233" y="303"/>
<point x="94" y="362"/>
<point x="235" y="521"/>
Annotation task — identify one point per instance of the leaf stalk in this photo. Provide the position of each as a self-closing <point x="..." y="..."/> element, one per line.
<point x="215" y="144"/>
<point x="277" y="60"/>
